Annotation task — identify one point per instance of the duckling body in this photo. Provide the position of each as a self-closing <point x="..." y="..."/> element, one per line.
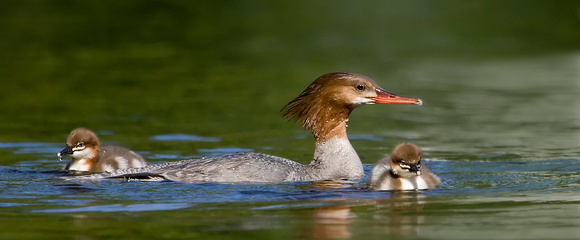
<point x="403" y="170"/>
<point x="89" y="156"/>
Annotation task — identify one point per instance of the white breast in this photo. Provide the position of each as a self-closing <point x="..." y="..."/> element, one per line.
<point x="413" y="183"/>
<point x="80" y="165"/>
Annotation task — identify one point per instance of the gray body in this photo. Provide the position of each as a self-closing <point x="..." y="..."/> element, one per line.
<point x="334" y="159"/>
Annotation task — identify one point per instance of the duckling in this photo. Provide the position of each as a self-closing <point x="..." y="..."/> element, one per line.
<point x="402" y="170"/>
<point x="89" y="156"/>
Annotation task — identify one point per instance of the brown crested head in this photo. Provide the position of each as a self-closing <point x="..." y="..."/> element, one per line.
<point x="82" y="135"/>
<point x="327" y="102"/>
<point x="407" y="156"/>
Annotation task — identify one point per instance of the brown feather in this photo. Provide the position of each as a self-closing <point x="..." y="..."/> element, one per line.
<point x="320" y="108"/>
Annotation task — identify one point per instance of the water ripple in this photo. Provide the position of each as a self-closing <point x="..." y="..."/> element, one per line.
<point x="118" y="208"/>
<point x="184" y="137"/>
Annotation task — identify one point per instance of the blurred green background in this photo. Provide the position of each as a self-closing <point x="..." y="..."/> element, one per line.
<point x="134" y="69"/>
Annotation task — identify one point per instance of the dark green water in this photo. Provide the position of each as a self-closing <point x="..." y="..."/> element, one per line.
<point x="500" y="123"/>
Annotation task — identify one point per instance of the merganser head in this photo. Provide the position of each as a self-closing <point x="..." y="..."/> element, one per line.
<point x="81" y="143"/>
<point x="328" y="101"/>
<point x="406" y="160"/>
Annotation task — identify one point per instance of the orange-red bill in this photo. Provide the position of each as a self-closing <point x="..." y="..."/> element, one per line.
<point x="385" y="97"/>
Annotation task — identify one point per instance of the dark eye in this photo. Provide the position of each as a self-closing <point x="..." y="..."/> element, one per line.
<point x="404" y="165"/>
<point x="81" y="144"/>
<point x="360" y="87"/>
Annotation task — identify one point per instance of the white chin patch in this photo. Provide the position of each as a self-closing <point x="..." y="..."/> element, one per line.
<point x="362" y="101"/>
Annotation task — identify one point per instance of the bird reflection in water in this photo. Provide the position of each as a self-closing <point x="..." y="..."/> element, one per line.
<point x="396" y="215"/>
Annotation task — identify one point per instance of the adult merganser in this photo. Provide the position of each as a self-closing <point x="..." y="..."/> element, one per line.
<point x="403" y="170"/>
<point x="323" y="108"/>
<point x="89" y="156"/>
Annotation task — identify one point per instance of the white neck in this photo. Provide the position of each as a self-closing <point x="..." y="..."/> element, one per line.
<point x="336" y="158"/>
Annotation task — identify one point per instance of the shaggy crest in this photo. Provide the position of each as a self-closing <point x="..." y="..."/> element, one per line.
<point x="318" y="108"/>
